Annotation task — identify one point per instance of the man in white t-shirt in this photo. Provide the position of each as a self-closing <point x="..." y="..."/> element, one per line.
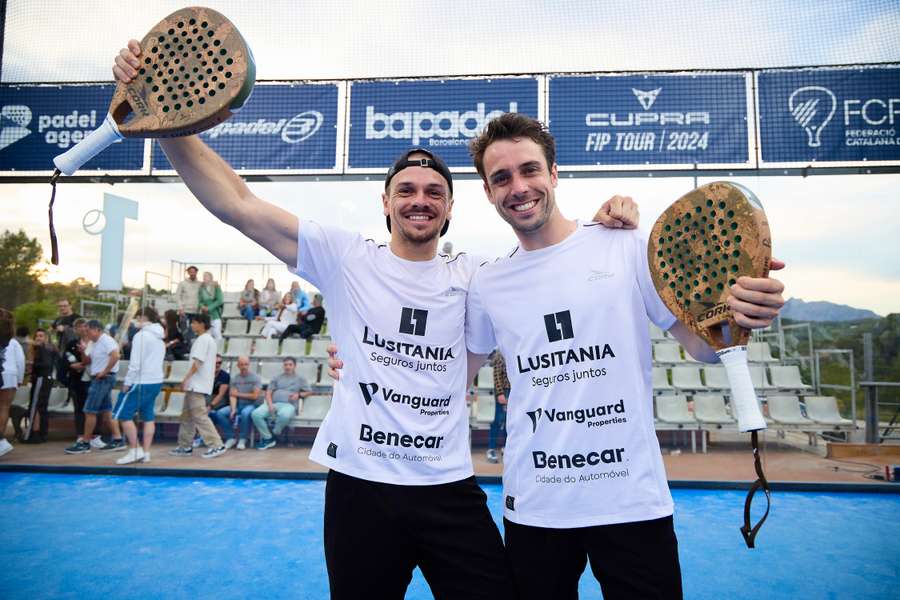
<point x="197" y="385"/>
<point x="583" y="474"/>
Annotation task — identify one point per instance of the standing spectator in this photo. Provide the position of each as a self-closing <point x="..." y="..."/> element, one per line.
<point x="501" y="395"/>
<point x="286" y="314"/>
<point x="447" y="249"/>
<point x="187" y="295"/>
<point x="211" y="300"/>
<point x="248" y="303"/>
<point x="283" y="401"/>
<point x="103" y="361"/>
<point x="74" y="357"/>
<point x="64" y="325"/>
<point x="216" y="400"/>
<point x="43" y="360"/>
<point x="12" y="372"/>
<point x="301" y="299"/>
<point x="176" y="347"/>
<point x="197" y="384"/>
<point x="243" y="398"/>
<point x="142" y="384"/>
<point x="268" y="298"/>
<point x="310" y="324"/>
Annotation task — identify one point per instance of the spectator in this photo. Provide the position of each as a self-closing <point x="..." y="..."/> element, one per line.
<point x="197" y="384"/>
<point x="216" y="400"/>
<point x="176" y="347"/>
<point x="211" y="300"/>
<point x="286" y="315"/>
<point x="243" y="398"/>
<point x="64" y="323"/>
<point x="301" y="299"/>
<point x="12" y="372"/>
<point x="187" y="294"/>
<point x="501" y="395"/>
<point x="248" y="303"/>
<point x="103" y="362"/>
<point x="142" y="385"/>
<point x="447" y="249"/>
<point x="24" y="339"/>
<point x="76" y="364"/>
<point x="268" y="298"/>
<point x="43" y="360"/>
<point x="283" y="401"/>
<point x="309" y="324"/>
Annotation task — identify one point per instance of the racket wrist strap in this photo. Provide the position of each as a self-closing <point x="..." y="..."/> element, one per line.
<point x="95" y="142"/>
<point x="745" y="406"/>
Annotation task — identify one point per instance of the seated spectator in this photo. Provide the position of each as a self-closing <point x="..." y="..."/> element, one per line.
<point x="268" y="299"/>
<point x="176" y="346"/>
<point x="244" y="396"/>
<point x="301" y="298"/>
<point x="248" y="303"/>
<point x="283" y="398"/>
<point x="211" y="300"/>
<point x="285" y="315"/>
<point x="309" y="324"/>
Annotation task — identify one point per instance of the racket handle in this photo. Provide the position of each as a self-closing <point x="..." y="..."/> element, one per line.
<point x="743" y="397"/>
<point x="95" y="143"/>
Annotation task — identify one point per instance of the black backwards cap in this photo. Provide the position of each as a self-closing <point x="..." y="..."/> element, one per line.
<point x="432" y="162"/>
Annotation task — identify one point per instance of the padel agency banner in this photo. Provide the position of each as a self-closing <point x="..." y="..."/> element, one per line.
<point x="388" y="117"/>
<point x="830" y="115"/>
<point x="650" y="120"/>
<point x="280" y="128"/>
<point x="40" y="122"/>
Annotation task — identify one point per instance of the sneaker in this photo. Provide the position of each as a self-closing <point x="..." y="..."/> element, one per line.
<point x="96" y="442"/>
<point x="114" y="446"/>
<point x="179" y="451"/>
<point x="214" y="452"/>
<point x="198" y="442"/>
<point x="229" y="443"/>
<point x="80" y="447"/>
<point x="5" y="447"/>
<point x="492" y="456"/>
<point x="134" y="455"/>
<point x="146" y="457"/>
<point x="242" y="444"/>
<point x="265" y="443"/>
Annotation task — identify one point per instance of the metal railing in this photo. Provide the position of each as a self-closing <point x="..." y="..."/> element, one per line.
<point x="817" y="381"/>
<point x="873" y="403"/>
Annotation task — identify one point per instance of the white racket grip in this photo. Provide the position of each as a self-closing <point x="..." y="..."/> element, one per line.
<point x="95" y="143"/>
<point x="743" y="397"/>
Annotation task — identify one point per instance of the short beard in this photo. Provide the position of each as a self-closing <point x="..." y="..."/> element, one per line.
<point x="414" y="237"/>
<point x="541" y="220"/>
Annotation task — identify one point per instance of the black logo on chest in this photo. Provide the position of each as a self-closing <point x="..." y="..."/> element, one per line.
<point x="559" y="326"/>
<point x="413" y="320"/>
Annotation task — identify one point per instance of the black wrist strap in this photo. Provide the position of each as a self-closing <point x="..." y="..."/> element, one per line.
<point x="761" y="483"/>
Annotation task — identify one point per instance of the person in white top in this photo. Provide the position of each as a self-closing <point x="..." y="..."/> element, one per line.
<point x="583" y="475"/>
<point x="142" y="385"/>
<point x="285" y="314"/>
<point x="268" y="298"/>
<point x="12" y="372"/>
<point x="197" y="385"/>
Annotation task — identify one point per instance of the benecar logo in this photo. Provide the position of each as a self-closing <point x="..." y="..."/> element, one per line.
<point x="559" y="326"/>
<point x="413" y="320"/>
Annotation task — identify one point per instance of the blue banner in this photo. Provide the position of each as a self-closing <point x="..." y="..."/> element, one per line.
<point x="39" y="122"/>
<point x="388" y="117"/>
<point x="281" y="127"/>
<point x="650" y="119"/>
<point x="830" y="115"/>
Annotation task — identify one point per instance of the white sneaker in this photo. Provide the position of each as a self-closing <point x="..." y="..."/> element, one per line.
<point x="5" y="447"/>
<point x="134" y="455"/>
<point x="229" y="443"/>
<point x="96" y="442"/>
<point x="242" y="444"/>
<point x="146" y="457"/>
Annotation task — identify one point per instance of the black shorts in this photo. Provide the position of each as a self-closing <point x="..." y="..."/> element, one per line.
<point x="630" y="560"/>
<point x="376" y="534"/>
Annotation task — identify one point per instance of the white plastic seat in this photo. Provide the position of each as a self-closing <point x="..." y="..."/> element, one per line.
<point x="295" y="347"/>
<point x="656" y="333"/>
<point x="220" y="345"/>
<point x="315" y="408"/>
<point x="687" y="378"/>
<point x="264" y="348"/>
<point x="486" y="378"/>
<point x="787" y="378"/>
<point x="760" y="352"/>
<point x="230" y="311"/>
<point x="178" y="370"/>
<point x="59" y="401"/>
<point x="256" y="328"/>
<point x="235" y="327"/>
<point x="486" y="408"/>
<point x="667" y="352"/>
<point x="759" y="378"/>
<point x="319" y="348"/>
<point x="270" y="370"/>
<point x="324" y="379"/>
<point x="661" y="380"/>
<point x="824" y="409"/>
<point x="174" y="407"/>
<point x="716" y="378"/>
<point x="309" y="371"/>
<point x="238" y="347"/>
<point x="710" y="408"/>
<point x="785" y="410"/>
<point x="674" y="409"/>
<point x="23" y="396"/>
<point x="231" y="297"/>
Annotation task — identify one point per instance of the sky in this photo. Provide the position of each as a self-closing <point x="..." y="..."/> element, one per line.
<point x="838" y="234"/>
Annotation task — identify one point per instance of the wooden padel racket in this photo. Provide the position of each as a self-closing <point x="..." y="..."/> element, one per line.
<point x="196" y="71"/>
<point x="697" y="250"/>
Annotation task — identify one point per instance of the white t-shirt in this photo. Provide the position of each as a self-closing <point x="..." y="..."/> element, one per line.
<point x="399" y="410"/>
<point x="13" y="365"/>
<point x="204" y="350"/>
<point x="100" y="351"/>
<point x="572" y="322"/>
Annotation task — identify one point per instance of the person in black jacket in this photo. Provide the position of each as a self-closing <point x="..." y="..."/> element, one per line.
<point x="43" y="359"/>
<point x="308" y="323"/>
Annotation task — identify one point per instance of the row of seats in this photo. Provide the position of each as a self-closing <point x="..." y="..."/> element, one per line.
<point x="671" y="352"/>
<point x="782" y="411"/>
<point x="314" y="372"/>
<point x="260" y="347"/>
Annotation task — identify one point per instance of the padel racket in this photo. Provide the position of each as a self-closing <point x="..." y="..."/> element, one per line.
<point x="698" y="248"/>
<point x="196" y="71"/>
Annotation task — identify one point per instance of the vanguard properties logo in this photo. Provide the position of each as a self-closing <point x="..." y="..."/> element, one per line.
<point x="297" y="129"/>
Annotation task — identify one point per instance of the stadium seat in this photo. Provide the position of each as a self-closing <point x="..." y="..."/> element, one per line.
<point x="711" y="409"/>
<point x="269" y="370"/>
<point x="256" y="328"/>
<point x="231" y="297"/>
<point x="23" y="396"/>
<point x="230" y="311"/>
<point x="485" y="379"/>
<point x="235" y="327"/>
<point x="674" y="409"/>
<point x="824" y="409"/>
<point x="174" y="406"/>
<point x="295" y="347"/>
<point x="667" y="352"/>
<point x="309" y="371"/>
<point x="687" y="378"/>
<point x="486" y="408"/>
<point x="785" y="410"/>
<point x="319" y="348"/>
<point x="787" y="378"/>
<point x="314" y="408"/>
<point x="716" y="378"/>
<point x="220" y="345"/>
<point x="59" y="401"/>
<point x="661" y="380"/>
<point x="123" y="371"/>
<point x="264" y="348"/>
<point x="178" y="369"/>
<point x="689" y="358"/>
<point x="759" y="378"/>
<point x="760" y="352"/>
<point x="656" y="333"/>
<point x="238" y="347"/>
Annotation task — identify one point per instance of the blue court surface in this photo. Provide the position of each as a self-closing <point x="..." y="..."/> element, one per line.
<point x="77" y="536"/>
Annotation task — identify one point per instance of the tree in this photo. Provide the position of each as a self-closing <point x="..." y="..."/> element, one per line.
<point x="19" y="275"/>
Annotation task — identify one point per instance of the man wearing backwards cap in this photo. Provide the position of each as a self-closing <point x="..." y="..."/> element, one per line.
<point x="401" y="491"/>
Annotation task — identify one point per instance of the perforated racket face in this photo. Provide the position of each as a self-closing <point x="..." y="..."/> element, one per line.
<point x="196" y="70"/>
<point x="699" y="247"/>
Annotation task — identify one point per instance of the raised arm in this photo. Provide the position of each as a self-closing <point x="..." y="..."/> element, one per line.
<point x="215" y="184"/>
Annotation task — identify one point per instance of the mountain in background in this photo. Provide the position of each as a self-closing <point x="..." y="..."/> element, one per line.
<point x="796" y="309"/>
